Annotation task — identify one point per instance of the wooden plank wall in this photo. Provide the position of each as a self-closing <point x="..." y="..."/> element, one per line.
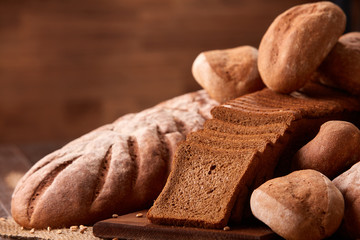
<point x="67" y="67"/>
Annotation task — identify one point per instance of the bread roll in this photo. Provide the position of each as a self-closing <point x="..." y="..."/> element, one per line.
<point x="227" y="74"/>
<point x="349" y="185"/>
<point x="297" y="42"/>
<point x="334" y="149"/>
<point x="117" y="168"/>
<point x="302" y="205"/>
<point x="341" y="67"/>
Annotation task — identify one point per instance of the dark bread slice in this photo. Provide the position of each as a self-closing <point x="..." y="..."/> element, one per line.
<point x="292" y="128"/>
<point x="268" y="144"/>
<point x="272" y="137"/>
<point x="314" y="102"/>
<point x="265" y="147"/>
<point x="204" y="171"/>
<point x="255" y="118"/>
<point x="232" y="128"/>
<point x="257" y="144"/>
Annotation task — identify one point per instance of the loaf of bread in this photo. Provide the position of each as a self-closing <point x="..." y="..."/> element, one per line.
<point x="216" y="169"/>
<point x="117" y="168"/>
<point x="304" y="204"/>
<point x="296" y="43"/>
<point x="341" y="67"/>
<point x="333" y="150"/>
<point x="229" y="73"/>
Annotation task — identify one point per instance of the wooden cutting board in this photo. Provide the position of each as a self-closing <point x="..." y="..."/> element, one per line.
<point x="131" y="227"/>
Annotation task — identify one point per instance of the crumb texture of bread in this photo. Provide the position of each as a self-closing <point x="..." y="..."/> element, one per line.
<point x="215" y="171"/>
<point x="216" y="168"/>
<point x="117" y="168"/>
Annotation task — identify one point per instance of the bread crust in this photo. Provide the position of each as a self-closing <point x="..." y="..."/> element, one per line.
<point x="302" y="205"/>
<point x="229" y="73"/>
<point x="296" y="43"/>
<point x="333" y="150"/>
<point x="341" y="67"/>
<point x="348" y="183"/>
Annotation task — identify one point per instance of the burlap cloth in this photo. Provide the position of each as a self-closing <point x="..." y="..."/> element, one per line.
<point x="9" y="228"/>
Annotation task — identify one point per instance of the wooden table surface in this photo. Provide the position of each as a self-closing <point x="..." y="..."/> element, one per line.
<point x="15" y="160"/>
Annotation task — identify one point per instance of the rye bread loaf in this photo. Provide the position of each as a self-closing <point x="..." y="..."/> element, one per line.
<point x="210" y="183"/>
<point x="296" y="43"/>
<point x="117" y="168"/>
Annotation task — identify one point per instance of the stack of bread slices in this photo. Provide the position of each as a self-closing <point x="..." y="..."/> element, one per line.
<point x="217" y="168"/>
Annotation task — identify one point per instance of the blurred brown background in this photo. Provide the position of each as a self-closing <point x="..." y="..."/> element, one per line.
<point x="67" y="67"/>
